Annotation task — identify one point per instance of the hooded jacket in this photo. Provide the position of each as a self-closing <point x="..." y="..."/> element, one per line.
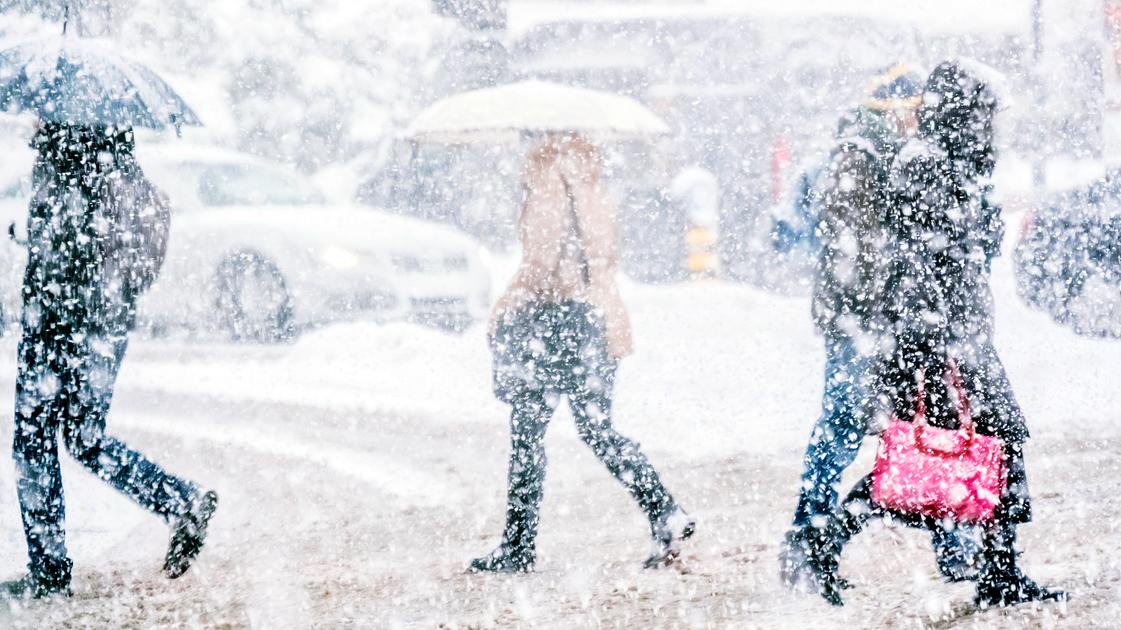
<point x="936" y="302"/>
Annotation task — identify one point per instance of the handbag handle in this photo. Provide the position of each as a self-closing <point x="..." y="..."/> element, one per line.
<point x="965" y="415"/>
<point x="965" y="419"/>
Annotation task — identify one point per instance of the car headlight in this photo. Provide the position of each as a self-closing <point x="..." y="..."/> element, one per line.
<point x="340" y="258"/>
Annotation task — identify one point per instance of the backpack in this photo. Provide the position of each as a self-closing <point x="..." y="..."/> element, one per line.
<point x="134" y="223"/>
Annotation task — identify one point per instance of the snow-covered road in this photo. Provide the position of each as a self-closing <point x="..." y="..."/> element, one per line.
<point x="360" y="467"/>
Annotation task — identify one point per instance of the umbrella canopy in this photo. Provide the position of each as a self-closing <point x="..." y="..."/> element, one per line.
<point x="503" y="113"/>
<point x="82" y="81"/>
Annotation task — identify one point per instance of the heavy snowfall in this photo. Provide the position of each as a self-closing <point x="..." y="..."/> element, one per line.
<point x="346" y="211"/>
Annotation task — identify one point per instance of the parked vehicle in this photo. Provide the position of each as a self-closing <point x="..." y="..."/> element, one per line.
<point x="257" y="254"/>
<point x="1068" y="260"/>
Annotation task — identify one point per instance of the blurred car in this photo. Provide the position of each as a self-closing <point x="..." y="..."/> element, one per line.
<point x="257" y="254"/>
<point x="1068" y="259"/>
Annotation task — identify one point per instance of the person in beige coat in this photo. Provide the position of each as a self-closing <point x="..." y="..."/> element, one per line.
<point x="560" y="329"/>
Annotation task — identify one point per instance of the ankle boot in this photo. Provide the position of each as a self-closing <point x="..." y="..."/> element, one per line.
<point x="667" y="531"/>
<point x="188" y="534"/>
<point x="1001" y="582"/>
<point x="48" y="578"/>
<point x="505" y="559"/>
<point x="517" y="552"/>
<point x="824" y="546"/>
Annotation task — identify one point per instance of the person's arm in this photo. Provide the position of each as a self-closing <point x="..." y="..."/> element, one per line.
<point x="848" y="229"/>
<point x="599" y="238"/>
<point x="992" y="228"/>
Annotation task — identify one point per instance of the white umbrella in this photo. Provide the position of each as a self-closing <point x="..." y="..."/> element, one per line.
<point x="503" y="113"/>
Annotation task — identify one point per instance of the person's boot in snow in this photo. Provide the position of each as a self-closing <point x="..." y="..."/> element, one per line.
<point x="1001" y="582"/>
<point x="668" y="531"/>
<point x="30" y="587"/>
<point x="505" y="559"/>
<point x="188" y="534"/>
<point x="794" y="558"/>
<point x="517" y="552"/>
<point x="42" y="581"/>
<point x="824" y="548"/>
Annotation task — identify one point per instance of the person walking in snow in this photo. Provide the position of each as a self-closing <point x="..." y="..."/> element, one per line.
<point x="97" y="232"/>
<point x="852" y="230"/>
<point x="937" y="307"/>
<point x="560" y="330"/>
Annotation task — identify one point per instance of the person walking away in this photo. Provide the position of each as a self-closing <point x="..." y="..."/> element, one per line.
<point x="559" y="331"/>
<point x="938" y="306"/>
<point x="97" y="233"/>
<point x="853" y="197"/>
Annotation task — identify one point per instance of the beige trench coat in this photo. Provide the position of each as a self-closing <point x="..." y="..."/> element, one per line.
<point x="551" y="267"/>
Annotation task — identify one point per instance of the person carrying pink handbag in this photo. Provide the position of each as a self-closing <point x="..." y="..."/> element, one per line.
<point x="936" y="311"/>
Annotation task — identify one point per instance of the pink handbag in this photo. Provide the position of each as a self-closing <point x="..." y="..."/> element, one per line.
<point x="921" y="469"/>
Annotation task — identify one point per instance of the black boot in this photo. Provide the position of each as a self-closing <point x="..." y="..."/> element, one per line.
<point x="505" y="559"/>
<point x="1001" y="582"/>
<point x="188" y="533"/>
<point x="795" y="567"/>
<point x="49" y="579"/>
<point x="667" y="531"/>
<point x="517" y="552"/>
<point x="824" y="546"/>
<point x="796" y="564"/>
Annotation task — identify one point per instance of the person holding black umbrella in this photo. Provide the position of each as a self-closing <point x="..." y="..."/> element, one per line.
<point x="97" y="234"/>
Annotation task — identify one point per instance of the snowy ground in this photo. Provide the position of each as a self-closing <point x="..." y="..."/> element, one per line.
<point x="360" y="468"/>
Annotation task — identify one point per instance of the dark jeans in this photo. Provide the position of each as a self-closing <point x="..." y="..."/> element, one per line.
<point x="66" y="385"/>
<point x="591" y="407"/>
<point x="838" y="433"/>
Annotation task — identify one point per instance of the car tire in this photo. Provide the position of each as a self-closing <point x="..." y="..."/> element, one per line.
<point x="253" y="302"/>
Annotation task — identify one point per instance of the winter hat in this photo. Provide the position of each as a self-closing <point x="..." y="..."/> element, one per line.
<point x="900" y="86"/>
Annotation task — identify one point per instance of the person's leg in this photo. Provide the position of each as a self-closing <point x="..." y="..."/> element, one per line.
<point x="38" y="474"/>
<point x="825" y="541"/>
<point x="623" y="457"/>
<point x="956" y="549"/>
<point x="1001" y="581"/>
<point x="837" y="435"/>
<point x="834" y="444"/>
<point x="529" y="418"/>
<point x="83" y="431"/>
<point x="179" y="502"/>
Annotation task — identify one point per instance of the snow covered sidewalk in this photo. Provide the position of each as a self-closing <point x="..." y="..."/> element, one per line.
<point x="362" y="466"/>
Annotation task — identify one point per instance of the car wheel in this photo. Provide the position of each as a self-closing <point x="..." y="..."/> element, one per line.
<point x="253" y="300"/>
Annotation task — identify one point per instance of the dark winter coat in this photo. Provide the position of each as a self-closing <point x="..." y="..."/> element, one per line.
<point x="97" y="232"/>
<point x="936" y="300"/>
<point x="850" y="227"/>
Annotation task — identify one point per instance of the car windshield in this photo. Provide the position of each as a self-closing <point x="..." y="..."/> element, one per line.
<point x="233" y="184"/>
